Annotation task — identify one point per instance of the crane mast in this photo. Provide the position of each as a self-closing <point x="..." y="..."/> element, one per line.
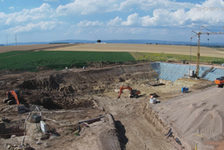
<point x="198" y="45"/>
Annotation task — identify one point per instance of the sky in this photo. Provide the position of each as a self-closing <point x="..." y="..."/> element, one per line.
<point x="168" y="20"/>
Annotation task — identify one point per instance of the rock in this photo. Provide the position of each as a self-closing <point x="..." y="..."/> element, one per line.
<point x="35" y="118"/>
<point x="46" y="145"/>
<point x="5" y="120"/>
<point x="44" y="127"/>
<point x="39" y="142"/>
<point x="8" y="146"/>
<point x="13" y="136"/>
<point x="22" y="109"/>
<point x="2" y="126"/>
<point x="45" y="137"/>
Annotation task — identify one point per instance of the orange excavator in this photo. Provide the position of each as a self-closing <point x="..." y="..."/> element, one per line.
<point x="133" y="93"/>
<point x="220" y="82"/>
<point x="12" y="97"/>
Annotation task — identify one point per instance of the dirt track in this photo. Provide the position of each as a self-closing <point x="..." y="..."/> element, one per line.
<point x="168" y="49"/>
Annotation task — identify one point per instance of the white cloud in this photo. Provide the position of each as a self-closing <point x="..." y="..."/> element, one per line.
<point x="2" y="16"/>
<point x="210" y="12"/>
<point x="42" y="12"/>
<point x="87" y="23"/>
<point x="129" y="15"/>
<point x="115" y="22"/>
<point x="152" y="4"/>
<point x="165" y="12"/>
<point x="132" y="19"/>
<point x="11" y="8"/>
<point x="148" y="21"/>
<point x="85" y="7"/>
<point x="31" y="26"/>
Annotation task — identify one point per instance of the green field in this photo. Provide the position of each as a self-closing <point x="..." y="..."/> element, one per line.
<point x="43" y="60"/>
<point x="175" y="58"/>
<point x="34" y="61"/>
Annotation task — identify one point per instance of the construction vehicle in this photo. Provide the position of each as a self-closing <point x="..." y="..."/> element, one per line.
<point x="220" y="82"/>
<point x="12" y="97"/>
<point x="133" y="93"/>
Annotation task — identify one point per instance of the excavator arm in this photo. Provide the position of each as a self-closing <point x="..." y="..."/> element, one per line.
<point x="12" y="95"/>
<point x="122" y="88"/>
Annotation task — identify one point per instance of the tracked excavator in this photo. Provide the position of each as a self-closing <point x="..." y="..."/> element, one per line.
<point x="133" y="93"/>
<point x="12" y="97"/>
<point x="220" y="82"/>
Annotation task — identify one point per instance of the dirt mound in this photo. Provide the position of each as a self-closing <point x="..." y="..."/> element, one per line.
<point x="196" y="118"/>
<point x="68" y="88"/>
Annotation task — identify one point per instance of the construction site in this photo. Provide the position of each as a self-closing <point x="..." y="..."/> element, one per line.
<point x="111" y="75"/>
<point x="150" y="106"/>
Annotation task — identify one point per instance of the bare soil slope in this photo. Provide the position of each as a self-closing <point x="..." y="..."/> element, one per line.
<point x="197" y="118"/>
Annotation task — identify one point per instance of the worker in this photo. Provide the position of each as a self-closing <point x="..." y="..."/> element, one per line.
<point x="153" y="100"/>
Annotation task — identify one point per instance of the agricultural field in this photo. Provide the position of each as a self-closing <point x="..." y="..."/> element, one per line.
<point x="33" y="47"/>
<point x="42" y="60"/>
<point x="147" y="48"/>
<point x="175" y="58"/>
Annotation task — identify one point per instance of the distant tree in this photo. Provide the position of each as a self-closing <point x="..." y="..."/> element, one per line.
<point x="98" y="41"/>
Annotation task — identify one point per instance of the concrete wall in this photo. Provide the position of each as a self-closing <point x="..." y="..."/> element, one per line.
<point x="172" y="72"/>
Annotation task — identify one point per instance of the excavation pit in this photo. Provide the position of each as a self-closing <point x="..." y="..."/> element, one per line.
<point x="15" y="128"/>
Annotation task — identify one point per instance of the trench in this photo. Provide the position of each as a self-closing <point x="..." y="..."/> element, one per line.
<point x="11" y="128"/>
<point x="71" y="89"/>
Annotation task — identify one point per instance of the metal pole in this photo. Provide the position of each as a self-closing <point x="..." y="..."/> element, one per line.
<point x="198" y="55"/>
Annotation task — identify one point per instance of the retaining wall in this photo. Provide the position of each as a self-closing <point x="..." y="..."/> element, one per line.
<point x="172" y="72"/>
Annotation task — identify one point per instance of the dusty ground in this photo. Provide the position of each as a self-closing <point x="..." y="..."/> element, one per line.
<point x="69" y="96"/>
<point x="168" y="49"/>
<point x="197" y="118"/>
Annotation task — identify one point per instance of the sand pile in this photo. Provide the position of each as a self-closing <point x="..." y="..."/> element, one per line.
<point x="196" y="118"/>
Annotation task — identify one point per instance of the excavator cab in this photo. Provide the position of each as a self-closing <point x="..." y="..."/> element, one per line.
<point x="134" y="94"/>
<point x="220" y="82"/>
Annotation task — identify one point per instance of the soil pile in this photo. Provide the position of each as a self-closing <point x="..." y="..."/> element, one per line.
<point x="197" y="118"/>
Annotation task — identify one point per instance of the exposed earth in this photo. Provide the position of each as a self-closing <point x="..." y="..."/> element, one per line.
<point x="82" y="111"/>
